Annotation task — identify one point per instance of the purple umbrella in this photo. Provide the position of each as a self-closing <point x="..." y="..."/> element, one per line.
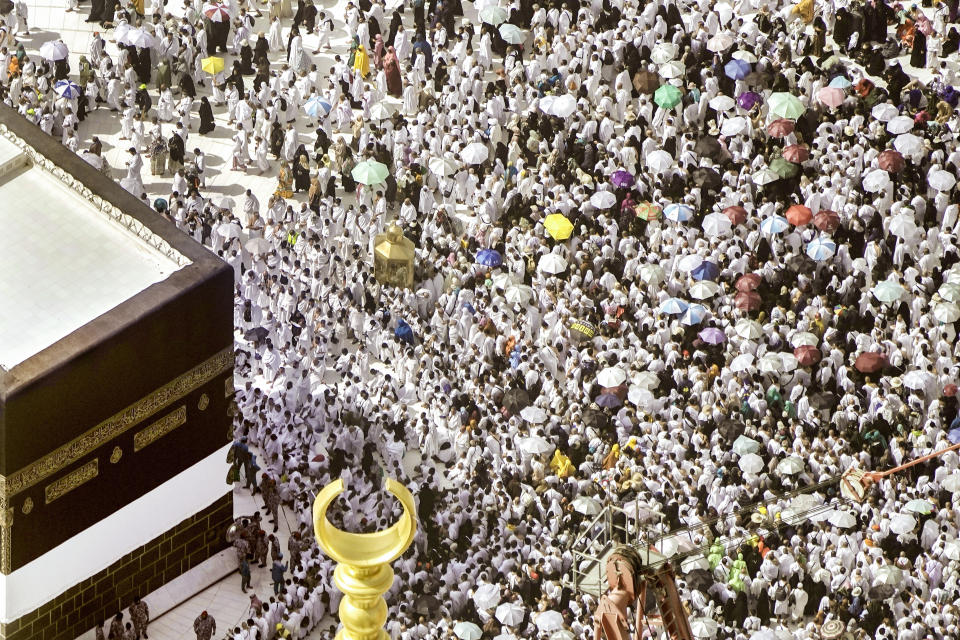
<point x="608" y="400"/>
<point x="712" y="335"/>
<point x="622" y="179"/>
<point x="748" y="99"/>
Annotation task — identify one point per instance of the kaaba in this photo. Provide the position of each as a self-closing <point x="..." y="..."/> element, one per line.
<point x="116" y="370"/>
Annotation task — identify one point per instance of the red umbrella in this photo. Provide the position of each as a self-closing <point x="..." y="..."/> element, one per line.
<point x="780" y="128"/>
<point x="748" y="282"/>
<point x="736" y="215"/>
<point x="619" y="391"/>
<point x="950" y="390"/>
<point x="799" y="215"/>
<point x="891" y="161"/>
<point x="796" y="153"/>
<point x="747" y="300"/>
<point x="827" y="220"/>
<point x="807" y="355"/>
<point x="870" y="361"/>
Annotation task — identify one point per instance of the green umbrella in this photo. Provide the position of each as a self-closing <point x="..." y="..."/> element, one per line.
<point x="785" y="105"/>
<point x="784" y="168"/>
<point x="370" y="172"/>
<point x="667" y="96"/>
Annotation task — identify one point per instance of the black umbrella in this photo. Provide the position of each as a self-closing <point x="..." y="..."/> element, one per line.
<point x="699" y="579"/>
<point x="582" y="331"/>
<point x="707" y="179"/>
<point x="729" y="429"/>
<point x="823" y="400"/>
<point x="799" y="263"/>
<point x="426" y="604"/>
<point x="515" y="399"/>
<point x="258" y="333"/>
<point x="881" y="592"/>
<point x="708" y="146"/>
<point x="595" y="418"/>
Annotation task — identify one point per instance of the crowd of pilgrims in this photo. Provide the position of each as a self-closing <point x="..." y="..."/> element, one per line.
<point x="349" y="378"/>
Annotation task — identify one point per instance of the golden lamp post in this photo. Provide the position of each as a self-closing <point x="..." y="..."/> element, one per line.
<point x="363" y="570"/>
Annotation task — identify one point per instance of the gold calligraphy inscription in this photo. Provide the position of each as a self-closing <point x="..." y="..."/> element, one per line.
<point x="116" y="424"/>
<point x="72" y="480"/>
<point x="160" y="428"/>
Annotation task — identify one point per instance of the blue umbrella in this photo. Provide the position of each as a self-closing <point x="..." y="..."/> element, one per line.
<point x="706" y="270"/>
<point x="712" y="335"/>
<point x="694" y="314"/>
<point x="673" y="306"/>
<point x="68" y="89"/>
<point x="608" y="400"/>
<point x="954" y="435"/>
<point x="488" y="258"/>
<point x="404" y="332"/>
<point x="315" y="105"/>
<point x="774" y="224"/>
<point x="840" y="83"/>
<point x="736" y="69"/>
<point x="821" y="249"/>
<point x="678" y="212"/>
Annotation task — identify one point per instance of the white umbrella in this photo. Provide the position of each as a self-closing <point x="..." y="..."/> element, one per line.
<point x="502" y="280"/>
<point x="791" y="465"/>
<point x="664" y="52"/>
<point x="744" y="445"/>
<point x="510" y="613"/>
<point x="946" y="312"/>
<point x="487" y="596"/>
<point x="842" y="519"/>
<point x="900" y="124"/>
<point x="475" y="153"/>
<point x="949" y="291"/>
<point x="916" y="380"/>
<point x="951" y="482"/>
<point x="512" y="33"/>
<point x="229" y="230"/>
<point x="746" y="56"/>
<point x="749" y="329"/>
<point x="646" y="380"/>
<point x="535" y="445"/>
<point x="611" y="377"/>
<point x="467" y="631"/>
<point x="493" y="15"/>
<point x="704" y="289"/>
<point x="720" y="42"/>
<point x="722" y="103"/>
<point x="562" y="106"/>
<point x="652" y="274"/>
<point x="603" y="199"/>
<point x="138" y="38"/>
<point x="733" y="126"/>
<point x="941" y="180"/>
<point x="952" y="550"/>
<point x="689" y="262"/>
<point x="552" y="263"/>
<point x="751" y="463"/>
<point x="804" y="338"/>
<point x="876" y="180"/>
<point x="770" y="363"/>
<point x="549" y="621"/>
<point x="383" y="110"/>
<point x="908" y="144"/>
<point x="667" y="546"/>
<point x="587" y="506"/>
<point x="716" y="224"/>
<point x="258" y="246"/>
<point x="888" y="574"/>
<point x="640" y="511"/>
<point x="804" y="502"/>
<point x="562" y="634"/>
<point x="672" y="69"/>
<point x="226" y="202"/>
<point x="694" y="562"/>
<point x="533" y="414"/>
<point x="54" y="50"/>
<point x="790" y="361"/>
<point x="903" y="226"/>
<point x="902" y="523"/>
<point x="518" y="294"/>
<point x="764" y="176"/>
<point x="639" y="396"/>
<point x="502" y="636"/>
<point x="703" y="627"/>
<point x="659" y="161"/>
<point x="884" y="112"/>
<point x="919" y="506"/>
<point x="443" y="166"/>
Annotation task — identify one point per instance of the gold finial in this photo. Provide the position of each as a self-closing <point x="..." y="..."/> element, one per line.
<point x="363" y="571"/>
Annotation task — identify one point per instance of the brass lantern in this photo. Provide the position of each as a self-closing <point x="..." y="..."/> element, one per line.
<point x="393" y="257"/>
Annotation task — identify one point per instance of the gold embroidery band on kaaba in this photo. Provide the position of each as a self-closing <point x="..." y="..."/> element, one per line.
<point x="115" y="425"/>
<point x="160" y="428"/>
<point x="61" y="486"/>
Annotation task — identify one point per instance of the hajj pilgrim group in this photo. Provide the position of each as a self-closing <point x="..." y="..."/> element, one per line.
<point x="682" y="257"/>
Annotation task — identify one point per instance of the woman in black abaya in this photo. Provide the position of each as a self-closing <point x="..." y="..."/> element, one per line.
<point x="206" y="116"/>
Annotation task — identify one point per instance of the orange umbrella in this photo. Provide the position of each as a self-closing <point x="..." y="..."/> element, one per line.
<point x="748" y="282"/>
<point x="780" y="128"/>
<point x="736" y="215"/>
<point x="796" y="153"/>
<point x="647" y="211"/>
<point x="799" y="215"/>
<point x="827" y="220"/>
<point x="747" y="300"/>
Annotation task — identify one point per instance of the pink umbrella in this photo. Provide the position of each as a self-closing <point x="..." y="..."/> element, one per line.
<point x="780" y="128"/>
<point x="796" y="153"/>
<point x="736" y="214"/>
<point x="831" y="96"/>
<point x="747" y="300"/>
<point x="826" y="220"/>
<point x="748" y="282"/>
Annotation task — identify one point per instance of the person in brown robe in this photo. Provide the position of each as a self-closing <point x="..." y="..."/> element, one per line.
<point x="391" y="67"/>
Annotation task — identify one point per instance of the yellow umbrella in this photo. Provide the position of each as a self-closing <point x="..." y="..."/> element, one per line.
<point x="558" y="226"/>
<point x="212" y="65"/>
